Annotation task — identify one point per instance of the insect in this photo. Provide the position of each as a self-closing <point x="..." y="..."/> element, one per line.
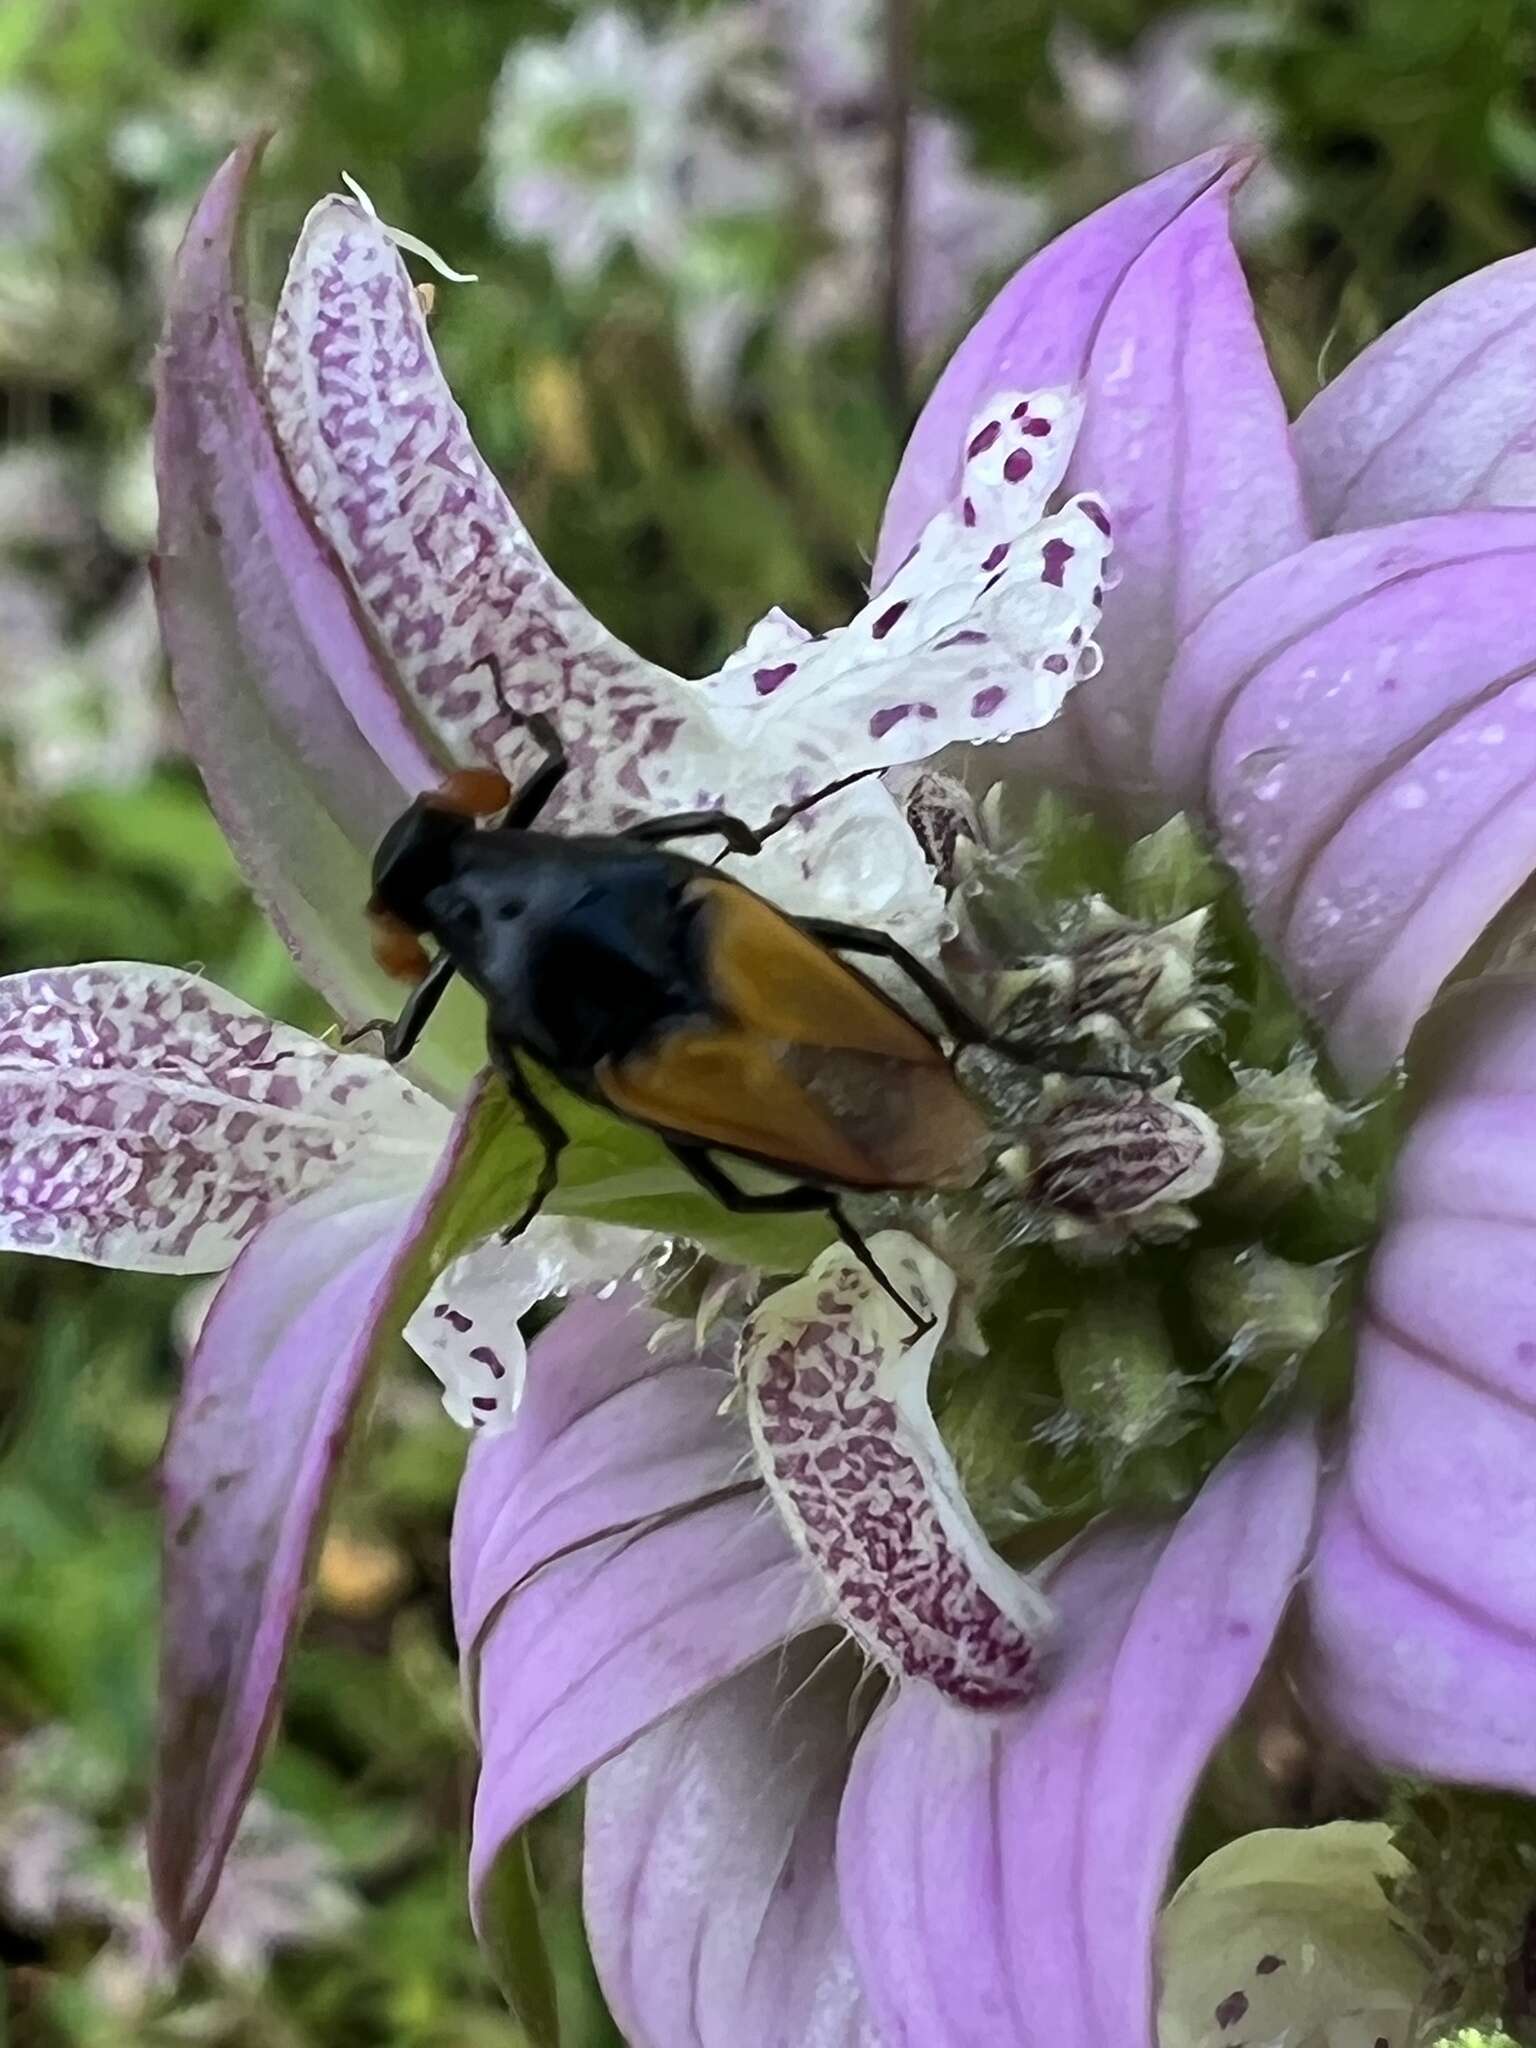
<point x="659" y="988"/>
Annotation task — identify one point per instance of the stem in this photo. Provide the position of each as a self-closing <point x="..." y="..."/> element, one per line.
<point x="900" y="69"/>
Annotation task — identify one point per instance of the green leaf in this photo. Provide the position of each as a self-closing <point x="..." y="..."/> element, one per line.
<point x="513" y="1941"/>
<point x="616" y="1172"/>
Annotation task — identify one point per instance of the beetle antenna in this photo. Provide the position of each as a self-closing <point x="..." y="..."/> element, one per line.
<point x="787" y="812"/>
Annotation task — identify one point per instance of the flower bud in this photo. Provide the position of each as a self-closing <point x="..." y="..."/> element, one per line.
<point x="1280" y="1132"/>
<point x="1256" y="1305"/>
<point x="1116" y="1368"/>
<point x="1097" y="1156"/>
<point x="1477" y="2037"/>
<point x="940" y="811"/>
<point x="1122" y="983"/>
<point x="1169" y="873"/>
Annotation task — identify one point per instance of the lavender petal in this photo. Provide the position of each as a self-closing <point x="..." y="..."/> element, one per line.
<point x="1037" y="332"/>
<point x="1422" y="1611"/>
<point x="269" y="657"/>
<point x="608" y="1568"/>
<point x="710" y="1867"/>
<point x="1002" y="1874"/>
<point x="1359" y="725"/>
<point x="1186" y="443"/>
<point x="270" y="1395"/>
<point x="1436" y="414"/>
<point x="259" y="1430"/>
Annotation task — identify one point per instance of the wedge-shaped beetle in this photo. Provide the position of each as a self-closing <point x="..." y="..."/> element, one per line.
<point x="663" y="990"/>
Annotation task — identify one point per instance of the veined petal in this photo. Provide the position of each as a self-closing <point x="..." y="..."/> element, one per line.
<point x="466" y="1328"/>
<point x="1185" y="440"/>
<point x="610" y="1435"/>
<point x="612" y="1560"/>
<point x="1037" y="333"/>
<point x="1434" y="415"/>
<point x="588" y="1354"/>
<point x="304" y="748"/>
<point x="1421" y="1601"/>
<point x="602" y="1643"/>
<point x="1377" y="678"/>
<point x="710" y="1872"/>
<point x="837" y="1397"/>
<point x="271" y="1392"/>
<point x="438" y="557"/>
<point x="154" y="1121"/>
<point x="1053" y="1826"/>
<point x="259" y="1430"/>
<point x="979" y="634"/>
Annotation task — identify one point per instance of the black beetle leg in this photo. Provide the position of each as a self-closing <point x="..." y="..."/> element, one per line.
<point x="547" y="778"/>
<point x="546" y="1127"/>
<point x="400" y="1034"/>
<point x="738" y="835"/>
<point x="958" y="1020"/>
<point x="793" y="1202"/>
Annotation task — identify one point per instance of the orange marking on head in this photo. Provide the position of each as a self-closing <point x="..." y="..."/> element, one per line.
<point x="472" y="793"/>
<point x="396" y="948"/>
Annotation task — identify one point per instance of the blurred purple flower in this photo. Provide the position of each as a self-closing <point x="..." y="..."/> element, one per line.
<point x="26" y="209"/>
<point x="1170" y="98"/>
<point x="67" y="1860"/>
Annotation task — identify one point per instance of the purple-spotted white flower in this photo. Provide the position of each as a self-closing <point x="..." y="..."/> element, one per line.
<point x="850" y="1776"/>
<point x="743" y="158"/>
<point x="605" y="140"/>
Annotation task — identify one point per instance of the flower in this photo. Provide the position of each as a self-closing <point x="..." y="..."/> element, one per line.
<point x="66" y="1857"/>
<point x="673" y="1598"/>
<point x="961" y="225"/>
<point x="605" y="140"/>
<point x="965" y="1868"/>
<point x="334" y="560"/>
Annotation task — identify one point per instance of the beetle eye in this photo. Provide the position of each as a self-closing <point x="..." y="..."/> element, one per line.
<point x="396" y="948"/>
<point x="471" y="793"/>
<point x="509" y="910"/>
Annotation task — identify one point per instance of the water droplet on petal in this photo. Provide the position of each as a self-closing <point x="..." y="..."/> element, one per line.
<point x="1410" y="796"/>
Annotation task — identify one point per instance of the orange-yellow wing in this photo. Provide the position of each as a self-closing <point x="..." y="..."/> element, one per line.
<point x="729" y="1088"/>
<point x="770" y="977"/>
<point x="816" y="1073"/>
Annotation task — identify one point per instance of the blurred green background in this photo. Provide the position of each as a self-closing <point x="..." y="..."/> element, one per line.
<point x="690" y="357"/>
